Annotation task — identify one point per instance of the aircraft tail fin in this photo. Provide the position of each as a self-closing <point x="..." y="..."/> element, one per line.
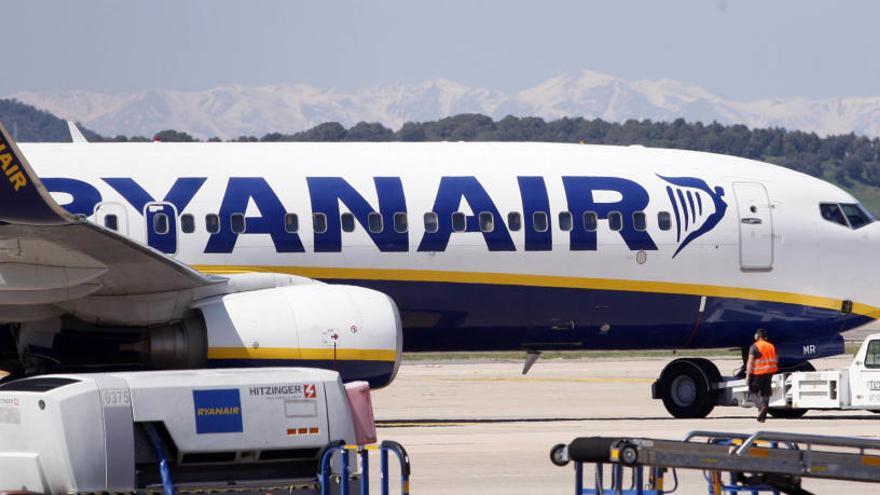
<point x="23" y="198"/>
<point x="75" y="134"/>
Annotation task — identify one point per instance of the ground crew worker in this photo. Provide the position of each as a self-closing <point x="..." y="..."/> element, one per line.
<point x="760" y="367"/>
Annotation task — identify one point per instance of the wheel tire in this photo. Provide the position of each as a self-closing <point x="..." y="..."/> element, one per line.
<point x="628" y="455"/>
<point x="557" y="455"/>
<point x="685" y="387"/>
<point x="792" y="413"/>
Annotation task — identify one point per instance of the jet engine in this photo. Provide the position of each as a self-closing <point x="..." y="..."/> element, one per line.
<point x="352" y="330"/>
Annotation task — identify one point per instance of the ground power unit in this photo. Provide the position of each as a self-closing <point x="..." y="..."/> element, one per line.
<point x="121" y="432"/>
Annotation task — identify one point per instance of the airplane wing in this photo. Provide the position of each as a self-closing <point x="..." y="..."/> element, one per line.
<point x="49" y="257"/>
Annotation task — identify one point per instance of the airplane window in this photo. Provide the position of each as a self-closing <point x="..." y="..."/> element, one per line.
<point x="539" y="221"/>
<point x="431" y="224"/>
<point x="374" y="221"/>
<point x="160" y="223"/>
<point x="187" y="223"/>
<point x="212" y="223"/>
<point x="347" y="222"/>
<point x="319" y="222"/>
<point x="236" y="221"/>
<point x="664" y="220"/>
<point x="459" y="222"/>
<point x="590" y="221"/>
<point x="514" y="221"/>
<point x="857" y="215"/>
<point x="872" y="357"/>
<point x="111" y="222"/>
<point x="832" y="213"/>
<point x="400" y="223"/>
<point x="640" y="221"/>
<point x="565" y="221"/>
<point x="487" y="221"/>
<point x="615" y="220"/>
<point x="291" y="223"/>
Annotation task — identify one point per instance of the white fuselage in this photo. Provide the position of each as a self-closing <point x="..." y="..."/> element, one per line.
<point x="705" y="249"/>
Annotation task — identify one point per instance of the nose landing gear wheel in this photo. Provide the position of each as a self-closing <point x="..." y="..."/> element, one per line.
<point x="685" y="387"/>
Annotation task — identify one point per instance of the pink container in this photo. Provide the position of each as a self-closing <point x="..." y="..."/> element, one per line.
<point x="362" y="411"/>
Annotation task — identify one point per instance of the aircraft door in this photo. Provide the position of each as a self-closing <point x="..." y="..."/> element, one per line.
<point x="755" y="226"/>
<point x="161" y="227"/>
<point x="112" y="216"/>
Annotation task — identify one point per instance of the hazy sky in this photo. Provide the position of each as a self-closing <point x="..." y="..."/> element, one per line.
<point x="739" y="49"/>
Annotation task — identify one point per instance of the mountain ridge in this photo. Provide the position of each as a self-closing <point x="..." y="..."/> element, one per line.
<point x="234" y="110"/>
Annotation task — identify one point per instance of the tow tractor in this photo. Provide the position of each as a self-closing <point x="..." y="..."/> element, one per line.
<point x="693" y="387"/>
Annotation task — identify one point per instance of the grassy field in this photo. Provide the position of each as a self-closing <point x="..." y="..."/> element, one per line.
<point x="868" y="195"/>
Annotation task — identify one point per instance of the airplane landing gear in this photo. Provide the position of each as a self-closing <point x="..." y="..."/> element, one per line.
<point x="685" y="386"/>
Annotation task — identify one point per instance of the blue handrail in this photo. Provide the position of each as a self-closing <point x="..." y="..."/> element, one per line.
<point x="159" y="450"/>
<point x="363" y="451"/>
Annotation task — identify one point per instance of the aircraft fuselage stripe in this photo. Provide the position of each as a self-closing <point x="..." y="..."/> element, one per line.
<point x="327" y="273"/>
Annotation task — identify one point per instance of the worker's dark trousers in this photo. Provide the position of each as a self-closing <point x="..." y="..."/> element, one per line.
<point x="760" y="389"/>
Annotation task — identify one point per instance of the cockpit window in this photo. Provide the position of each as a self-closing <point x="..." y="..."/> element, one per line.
<point x="832" y="213"/>
<point x="852" y="215"/>
<point x="856" y="214"/>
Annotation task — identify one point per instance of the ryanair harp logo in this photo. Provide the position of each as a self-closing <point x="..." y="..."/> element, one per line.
<point x="696" y="207"/>
<point x="217" y="411"/>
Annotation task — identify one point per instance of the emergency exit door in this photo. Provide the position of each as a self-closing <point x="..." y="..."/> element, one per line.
<point x="755" y="226"/>
<point x="161" y="226"/>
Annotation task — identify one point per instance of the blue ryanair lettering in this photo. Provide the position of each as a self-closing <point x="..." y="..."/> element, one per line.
<point x="180" y="194"/>
<point x="534" y="196"/>
<point x="240" y="191"/>
<point x="326" y="194"/>
<point x="579" y="193"/>
<point x="449" y="196"/>
<point x="84" y="195"/>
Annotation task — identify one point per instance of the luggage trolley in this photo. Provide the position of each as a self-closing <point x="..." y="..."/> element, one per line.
<point x="764" y="462"/>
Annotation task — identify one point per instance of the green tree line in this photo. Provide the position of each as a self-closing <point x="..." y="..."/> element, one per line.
<point x="848" y="160"/>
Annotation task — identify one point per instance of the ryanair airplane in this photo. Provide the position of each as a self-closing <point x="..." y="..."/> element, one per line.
<point x="340" y="255"/>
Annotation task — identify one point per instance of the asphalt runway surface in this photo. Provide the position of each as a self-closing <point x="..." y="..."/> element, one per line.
<point x="483" y="428"/>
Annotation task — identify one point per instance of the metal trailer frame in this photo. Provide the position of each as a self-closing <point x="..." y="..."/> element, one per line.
<point x="326" y="482"/>
<point x="344" y="477"/>
<point x="765" y="461"/>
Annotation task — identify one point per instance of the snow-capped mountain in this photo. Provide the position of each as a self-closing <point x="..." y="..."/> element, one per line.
<point x="232" y="111"/>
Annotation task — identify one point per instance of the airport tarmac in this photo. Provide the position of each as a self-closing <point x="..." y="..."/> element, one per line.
<point x="481" y="427"/>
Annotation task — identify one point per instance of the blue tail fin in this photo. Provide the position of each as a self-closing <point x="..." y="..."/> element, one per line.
<point x="23" y="198"/>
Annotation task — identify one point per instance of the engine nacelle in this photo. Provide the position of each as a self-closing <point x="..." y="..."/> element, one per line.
<point x="352" y="330"/>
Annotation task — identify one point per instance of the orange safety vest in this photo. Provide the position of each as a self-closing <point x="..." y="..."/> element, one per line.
<point x="766" y="363"/>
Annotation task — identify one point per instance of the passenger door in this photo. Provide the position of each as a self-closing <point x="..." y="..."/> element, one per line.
<point x="755" y="226"/>
<point x="112" y="216"/>
<point x="161" y="227"/>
